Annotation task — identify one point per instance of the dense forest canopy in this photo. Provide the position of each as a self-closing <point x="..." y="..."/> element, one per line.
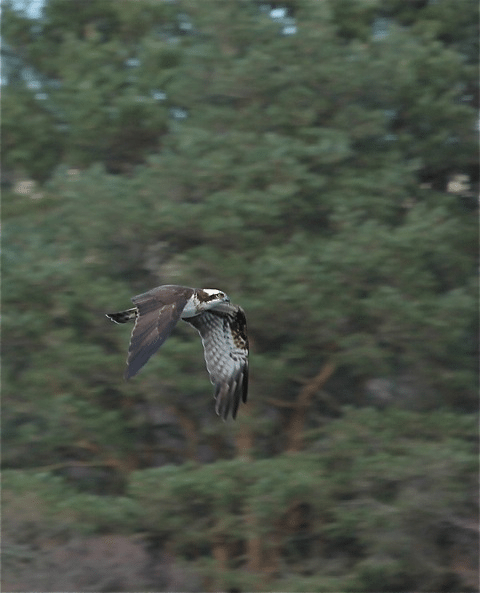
<point x="317" y="161"/>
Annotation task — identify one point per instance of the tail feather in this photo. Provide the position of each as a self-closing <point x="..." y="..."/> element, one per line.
<point x="123" y="316"/>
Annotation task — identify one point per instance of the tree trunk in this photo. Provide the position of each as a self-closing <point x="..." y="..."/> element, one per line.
<point x="189" y="428"/>
<point x="297" y="420"/>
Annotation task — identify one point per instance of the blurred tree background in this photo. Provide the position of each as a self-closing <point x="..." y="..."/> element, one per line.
<point x="317" y="160"/>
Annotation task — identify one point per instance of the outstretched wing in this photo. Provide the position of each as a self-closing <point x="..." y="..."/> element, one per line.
<point x="224" y="336"/>
<point x="158" y="313"/>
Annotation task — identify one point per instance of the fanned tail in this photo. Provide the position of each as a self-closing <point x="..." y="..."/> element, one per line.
<point x="123" y="316"/>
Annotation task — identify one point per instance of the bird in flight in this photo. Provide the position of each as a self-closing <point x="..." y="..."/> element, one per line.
<point x="222" y="327"/>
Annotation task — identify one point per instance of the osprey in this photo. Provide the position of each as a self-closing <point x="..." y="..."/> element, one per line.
<point x="222" y="327"/>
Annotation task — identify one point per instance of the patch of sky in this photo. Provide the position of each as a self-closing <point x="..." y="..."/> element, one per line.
<point x="32" y="81"/>
<point x="380" y="28"/>
<point x="178" y="113"/>
<point x="132" y="62"/>
<point x="31" y="8"/>
<point x="289" y="26"/>
<point x="279" y="14"/>
<point x="158" y="95"/>
<point x="184" y="22"/>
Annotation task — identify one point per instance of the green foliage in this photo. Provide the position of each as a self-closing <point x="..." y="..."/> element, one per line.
<point x="36" y="153"/>
<point x="61" y="507"/>
<point x="371" y="484"/>
<point x="364" y="509"/>
<point x="109" y="106"/>
<point x="291" y="188"/>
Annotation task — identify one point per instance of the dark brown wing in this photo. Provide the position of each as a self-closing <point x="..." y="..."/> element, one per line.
<point x="224" y="335"/>
<point x="158" y="312"/>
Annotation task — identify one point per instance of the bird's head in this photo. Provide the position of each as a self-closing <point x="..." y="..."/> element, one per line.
<point x="210" y="297"/>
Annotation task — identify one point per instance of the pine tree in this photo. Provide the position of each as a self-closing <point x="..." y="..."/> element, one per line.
<point x="316" y="162"/>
